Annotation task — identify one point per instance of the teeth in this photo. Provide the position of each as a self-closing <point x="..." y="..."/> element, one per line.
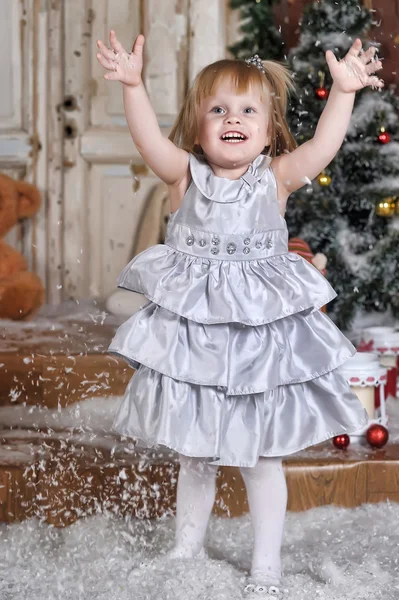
<point x="233" y="137"/>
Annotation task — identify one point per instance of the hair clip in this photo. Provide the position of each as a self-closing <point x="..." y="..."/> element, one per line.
<point x="256" y="61"/>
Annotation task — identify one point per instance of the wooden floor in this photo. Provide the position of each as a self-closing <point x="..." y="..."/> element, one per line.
<point x="58" y="361"/>
<point x="61" y="480"/>
<point x="60" y="475"/>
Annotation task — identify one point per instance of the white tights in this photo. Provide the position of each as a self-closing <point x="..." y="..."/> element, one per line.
<point x="267" y="498"/>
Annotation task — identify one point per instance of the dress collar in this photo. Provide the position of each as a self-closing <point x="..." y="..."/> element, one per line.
<point x="221" y="189"/>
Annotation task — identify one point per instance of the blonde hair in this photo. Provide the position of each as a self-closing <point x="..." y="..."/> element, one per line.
<point x="275" y="83"/>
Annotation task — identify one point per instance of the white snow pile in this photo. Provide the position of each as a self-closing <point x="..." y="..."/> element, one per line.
<point x="329" y="553"/>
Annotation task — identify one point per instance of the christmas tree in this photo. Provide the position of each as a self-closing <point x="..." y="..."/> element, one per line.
<point x="348" y="213"/>
<point x="259" y="32"/>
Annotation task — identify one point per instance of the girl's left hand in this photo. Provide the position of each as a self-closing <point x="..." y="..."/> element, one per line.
<point x="356" y="70"/>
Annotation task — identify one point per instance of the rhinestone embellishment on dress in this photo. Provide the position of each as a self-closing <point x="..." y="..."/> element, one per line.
<point x="246" y="250"/>
<point x="215" y="250"/>
<point x="190" y="240"/>
<point x="269" y="243"/>
<point x="247" y="241"/>
<point x="258" y="245"/>
<point x="215" y="241"/>
<point x="231" y="248"/>
<point x="202" y="243"/>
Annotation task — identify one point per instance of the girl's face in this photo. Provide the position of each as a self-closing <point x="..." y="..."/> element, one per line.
<point x="233" y="128"/>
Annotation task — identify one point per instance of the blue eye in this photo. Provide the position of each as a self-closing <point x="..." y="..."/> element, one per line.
<point x="249" y="110"/>
<point x="217" y="109"/>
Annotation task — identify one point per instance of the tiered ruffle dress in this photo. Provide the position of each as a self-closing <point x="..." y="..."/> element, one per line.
<point x="234" y="358"/>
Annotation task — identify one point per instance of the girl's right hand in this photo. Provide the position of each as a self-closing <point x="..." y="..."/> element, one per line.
<point x="125" y="67"/>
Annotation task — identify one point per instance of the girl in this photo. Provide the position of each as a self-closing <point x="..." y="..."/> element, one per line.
<point x="235" y="363"/>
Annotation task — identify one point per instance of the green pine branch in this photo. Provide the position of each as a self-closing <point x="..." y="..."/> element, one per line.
<point x="259" y="32"/>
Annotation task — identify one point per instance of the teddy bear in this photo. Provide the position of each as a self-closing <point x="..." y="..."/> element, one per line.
<point x="21" y="292"/>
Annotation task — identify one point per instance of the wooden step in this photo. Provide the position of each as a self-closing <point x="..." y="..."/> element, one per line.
<point x="59" y="361"/>
<point x="60" y="477"/>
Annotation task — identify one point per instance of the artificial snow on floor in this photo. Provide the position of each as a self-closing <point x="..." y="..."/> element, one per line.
<point x="329" y="553"/>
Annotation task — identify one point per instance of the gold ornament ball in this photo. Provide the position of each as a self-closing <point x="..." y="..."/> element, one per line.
<point x="386" y="208"/>
<point x="324" y="180"/>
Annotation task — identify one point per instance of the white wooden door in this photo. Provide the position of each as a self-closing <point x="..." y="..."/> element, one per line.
<point x="106" y="184"/>
<point x="62" y="126"/>
<point x="31" y="128"/>
<point x="21" y="117"/>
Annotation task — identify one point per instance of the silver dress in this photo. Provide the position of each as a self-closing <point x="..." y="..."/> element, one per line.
<point x="234" y="360"/>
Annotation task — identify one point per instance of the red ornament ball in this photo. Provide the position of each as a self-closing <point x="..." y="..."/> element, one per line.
<point x="384" y="138"/>
<point x="377" y="435"/>
<point x="322" y="93"/>
<point x="341" y="441"/>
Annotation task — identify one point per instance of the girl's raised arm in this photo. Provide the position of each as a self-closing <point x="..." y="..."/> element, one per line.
<point x="304" y="163"/>
<point x="168" y="162"/>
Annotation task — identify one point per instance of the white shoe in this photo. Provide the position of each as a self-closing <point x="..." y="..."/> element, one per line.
<point x="253" y="591"/>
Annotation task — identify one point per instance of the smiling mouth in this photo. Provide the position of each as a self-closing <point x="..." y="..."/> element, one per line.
<point x="233" y="137"/>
